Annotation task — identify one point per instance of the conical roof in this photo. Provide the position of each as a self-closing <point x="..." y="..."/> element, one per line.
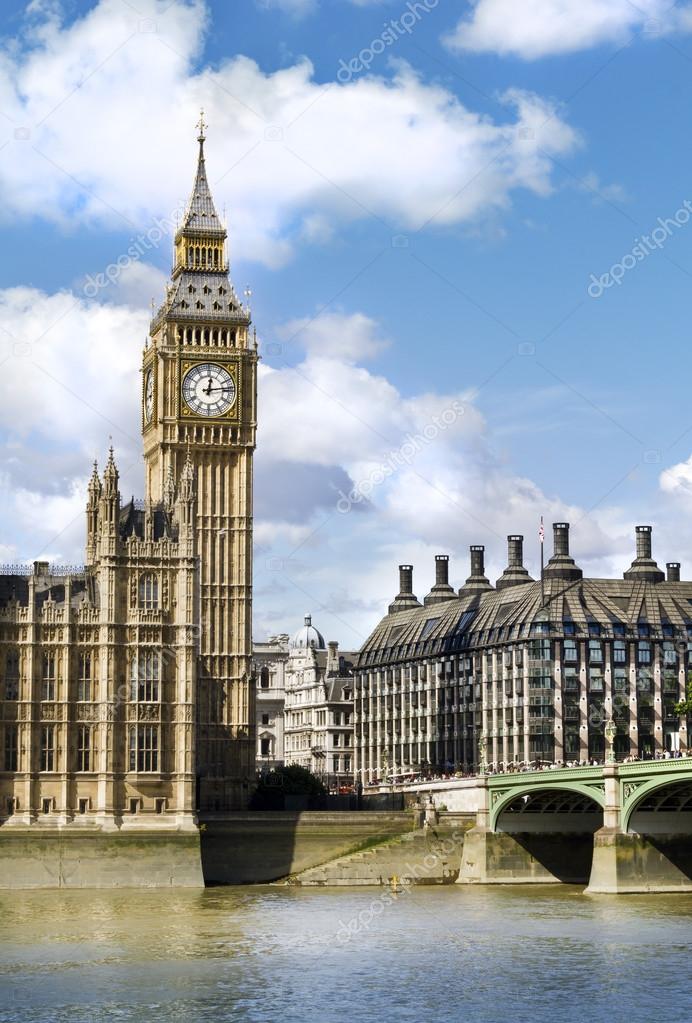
<point x="201" y="214"/>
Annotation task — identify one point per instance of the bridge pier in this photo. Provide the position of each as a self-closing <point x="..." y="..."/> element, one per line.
<point x="538" y="851"/>
<point x="632" y="863"/>
<point x="492" y="857"/>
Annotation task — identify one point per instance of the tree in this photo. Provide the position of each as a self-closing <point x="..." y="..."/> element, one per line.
<point x="291" y="780"/>
<point x="684" y="707"/>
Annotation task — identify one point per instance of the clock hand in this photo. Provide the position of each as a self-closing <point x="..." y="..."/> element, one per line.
<point x="208" y="390"/>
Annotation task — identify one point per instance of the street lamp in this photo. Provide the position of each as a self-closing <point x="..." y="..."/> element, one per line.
<point x="482" y="750"/>
<point x="610" y="733"/>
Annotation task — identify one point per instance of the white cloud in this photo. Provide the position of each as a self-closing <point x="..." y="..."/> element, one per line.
<point x="677" y="480"/>
<point x="601" y="192"/>
<point x="295" y="156"/>
<point x="540" y="28"/>
<point x="352" y="475"/>
<point x="349" y="337"/>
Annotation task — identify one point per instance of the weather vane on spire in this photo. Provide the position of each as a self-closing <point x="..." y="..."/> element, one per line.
<point x="202" y="126"/>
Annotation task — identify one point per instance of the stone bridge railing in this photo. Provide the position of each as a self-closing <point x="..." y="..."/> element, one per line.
<point x="616" y="788"/>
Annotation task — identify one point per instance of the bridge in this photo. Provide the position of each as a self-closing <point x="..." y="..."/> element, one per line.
<point x="618" y="827"/>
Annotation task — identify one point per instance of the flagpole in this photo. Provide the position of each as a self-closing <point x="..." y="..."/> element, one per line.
<point x="541" y="534"/>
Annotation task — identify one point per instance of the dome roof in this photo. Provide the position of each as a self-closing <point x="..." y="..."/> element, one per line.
<point x="308" y="636"/>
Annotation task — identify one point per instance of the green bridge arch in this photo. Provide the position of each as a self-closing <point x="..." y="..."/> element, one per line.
<point x="503" y="795"/>
<point x="633" y="793"/>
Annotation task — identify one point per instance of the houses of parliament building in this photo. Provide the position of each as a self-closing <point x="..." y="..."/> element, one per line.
<point x="125" y="688"/>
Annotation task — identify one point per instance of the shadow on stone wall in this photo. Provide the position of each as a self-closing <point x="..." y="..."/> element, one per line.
<point x="264" y="846"/>
<point x="567" y="857"/>
<point x="671" y="849"/>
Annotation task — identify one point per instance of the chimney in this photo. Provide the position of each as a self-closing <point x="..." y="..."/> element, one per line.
<point x="644" y="568"/>
<point x="561" y="565"/>
<point x="643" y="537"/>
<point x="332" y="657"/>
<point x="561" y="539"/>
<point x="405" y="597"/>
<point x="441" y="591"/>
<point x="515" y="573"/>
<point x="405" y="579"/>
<point x="673" y="571"/>
<point x="476" y="582"/>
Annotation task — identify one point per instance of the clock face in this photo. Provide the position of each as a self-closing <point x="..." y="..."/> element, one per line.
<point x="208" y="389"/>
<point x="149" y="396"/>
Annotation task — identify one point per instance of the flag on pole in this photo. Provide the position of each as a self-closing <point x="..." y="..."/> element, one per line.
<point x="541" y="532"/>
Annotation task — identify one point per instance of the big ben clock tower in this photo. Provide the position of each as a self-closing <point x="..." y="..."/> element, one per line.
<point x="199" y="401"/>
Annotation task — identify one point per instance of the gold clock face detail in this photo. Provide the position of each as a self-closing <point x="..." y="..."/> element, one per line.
<point x="209" y="389"/>
<point x="149" y="396"/>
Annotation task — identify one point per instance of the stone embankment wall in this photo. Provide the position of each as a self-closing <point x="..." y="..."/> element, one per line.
<point x="243" y="848"/>
<point x="36" y="858"/>
<point x="427" y="856"/>
<point x="251" y="848"/>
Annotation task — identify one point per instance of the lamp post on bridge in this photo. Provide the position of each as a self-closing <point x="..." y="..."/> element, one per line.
<point x="610" y="733"/>
<point x="482" y="751"/>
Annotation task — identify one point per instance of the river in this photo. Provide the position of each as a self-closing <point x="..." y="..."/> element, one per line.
<point x="287" y="955"/>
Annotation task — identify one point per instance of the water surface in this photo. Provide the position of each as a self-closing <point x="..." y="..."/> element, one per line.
<point x="486" y="955"/>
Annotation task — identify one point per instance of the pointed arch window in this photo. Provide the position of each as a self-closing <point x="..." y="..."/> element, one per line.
<point x="145" y="677"/>
<point x="48" y="680"/>
<point x="84" y="682"/>
<point x="148" y="591"/>
<point x="12" y="675"/>
<point x="84" y="745"/>
<point x="144" y="748"/>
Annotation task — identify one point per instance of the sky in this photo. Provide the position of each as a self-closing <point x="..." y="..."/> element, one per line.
<point x="467" y="232"/>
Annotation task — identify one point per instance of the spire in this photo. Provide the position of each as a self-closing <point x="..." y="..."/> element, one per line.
<point x="110" y="475"/>
<point x="169" y="488"/>
<point x="187" y="479"/>
<point x="201" y="214"/>
<point x="94" y="483"/>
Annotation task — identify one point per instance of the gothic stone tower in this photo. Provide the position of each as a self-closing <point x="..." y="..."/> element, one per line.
<point x="199" y="401"/>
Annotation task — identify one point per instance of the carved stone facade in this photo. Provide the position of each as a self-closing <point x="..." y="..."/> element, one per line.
<point x="125" y="687"/>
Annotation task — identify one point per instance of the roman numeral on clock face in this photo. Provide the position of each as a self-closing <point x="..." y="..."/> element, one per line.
<point x="209" y="389"/>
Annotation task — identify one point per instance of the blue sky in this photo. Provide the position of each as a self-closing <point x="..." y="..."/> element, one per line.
<point x="421" y="234"/>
